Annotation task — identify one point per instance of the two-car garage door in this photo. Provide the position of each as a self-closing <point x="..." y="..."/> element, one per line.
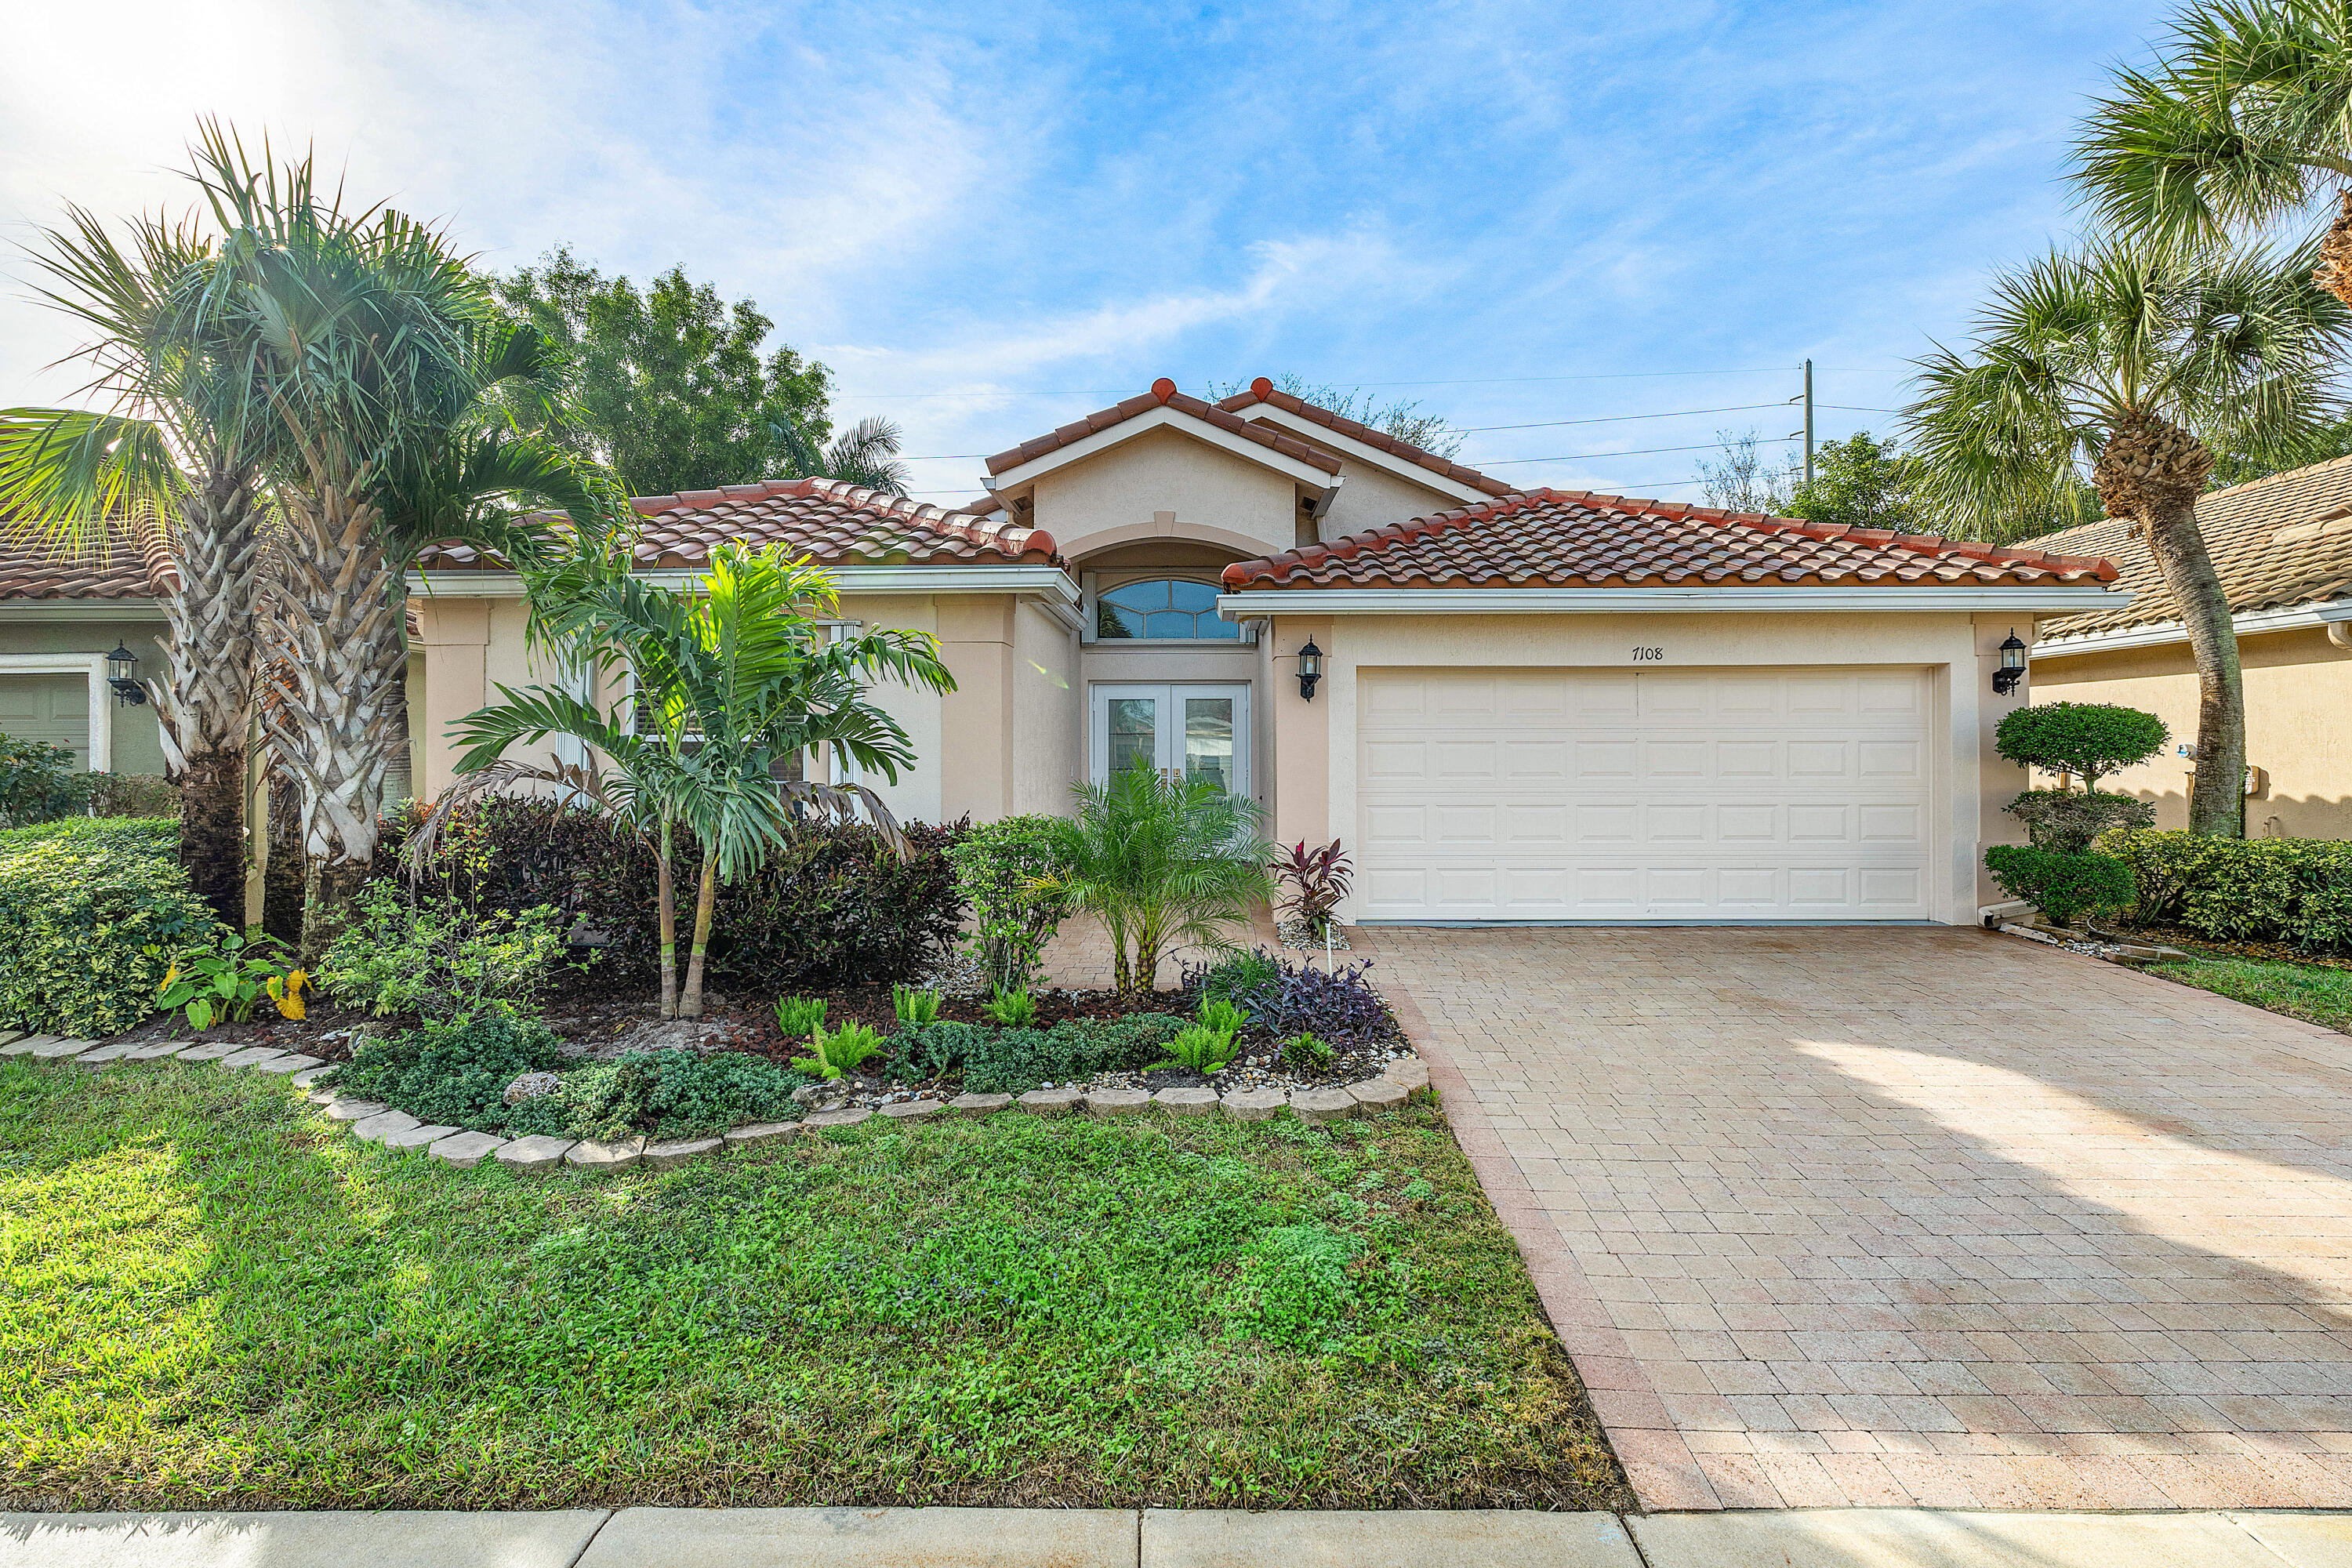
<point x="1731" y="794"/>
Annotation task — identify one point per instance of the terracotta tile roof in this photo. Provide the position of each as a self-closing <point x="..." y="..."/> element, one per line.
<point x="1576" y="539"/>
<point x="1263" y="390"/>
<point x="1164" y="395"/>
<point x="837" y="524"/>
<point x="132" y="563"/>
<point x="2276" y="543"/>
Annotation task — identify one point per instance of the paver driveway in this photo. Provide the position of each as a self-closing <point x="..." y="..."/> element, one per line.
<point x="1888" y="1215"/>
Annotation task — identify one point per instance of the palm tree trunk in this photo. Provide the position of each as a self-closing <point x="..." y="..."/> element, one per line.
<point x="705" y="899"/>
<point x="336" y="613"/>
<point x="204" y="703"/>
<point x="283" y="873"/>
<point x="2152" y="472"/>
<point x="665" y="898"/>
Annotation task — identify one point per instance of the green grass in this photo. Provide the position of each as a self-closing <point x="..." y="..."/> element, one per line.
<point x="208" y="1298"/>
<point x="2307" y="991"/>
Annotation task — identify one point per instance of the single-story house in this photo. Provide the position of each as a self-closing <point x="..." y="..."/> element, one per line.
<point x="1517" y="707"/>
<point x="2283" y="547"/>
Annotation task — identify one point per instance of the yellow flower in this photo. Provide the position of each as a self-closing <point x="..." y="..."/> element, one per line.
<point x="169" y="976"/>
<point x="288" y="992"/>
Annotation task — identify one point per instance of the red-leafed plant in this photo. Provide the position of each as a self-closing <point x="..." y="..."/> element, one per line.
<point x="1315" y="882"/>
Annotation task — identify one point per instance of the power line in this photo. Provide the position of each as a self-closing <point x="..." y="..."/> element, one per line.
<point x="1466" y="381"/>
<point x="1619" y="418"/>
<point x="1637" y="452"/>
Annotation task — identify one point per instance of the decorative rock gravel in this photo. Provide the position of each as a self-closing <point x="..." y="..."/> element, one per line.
<point x="1317" y="1106"/>
<point x="848" y="1116"/>
<point x="376" y="1128"/>
<point x="531" y="1086"/>
<point x="1411" y="1073"/>
<point x="25" y="1044"/>
<point x="209" y="1051"/>
<point x="535" y="1155"/>
<point x="464" y="1149"/>
<point x="914" y="1110"/>
<point x="1378" y="1093"/>
<point x="157" y="1052"/>
<point x="1108" y="1102"/>
<point x="1255" y="1104"/>
<point x="1050" y="1101"/>
<point x="417" y="1137"/>
<point x="309" y="1076"/>
<point x="605" y="1156"/>
<point x="290" y="1061"/>
<point x="103" y="1055"/>
<point x="978" y="1104"/>
<point x="1195" y="1102"/>
<point x="251" y="1058"/>
<point x="355" y="1109"/>
<point x="679" y="1150"/>
<point x="760" y="1132"/>
<point x="56" y="1049"/>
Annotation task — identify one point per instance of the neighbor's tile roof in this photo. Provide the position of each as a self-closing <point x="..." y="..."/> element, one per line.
<point x="1263" y="390"/>
<point x="1548" y="539"/>
<point x="836" y="524"/>
<point x="132" y="563"/>
<point x="2276" y="543"/>
<point x="1164" y="395"/>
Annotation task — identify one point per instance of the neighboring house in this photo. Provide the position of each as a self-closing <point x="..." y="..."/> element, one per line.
<point x="59" y="617"/>
<point x="1537" y="707"/>
<point x="2283" y="549"/>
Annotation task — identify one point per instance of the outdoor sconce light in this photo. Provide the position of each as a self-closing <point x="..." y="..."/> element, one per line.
<point x="128" y="692"/>
<point x="2012" y="666"/>
<point x="1310" y="670"/>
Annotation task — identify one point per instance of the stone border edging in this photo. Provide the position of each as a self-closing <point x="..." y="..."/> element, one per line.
<point x="537" y="1153"/>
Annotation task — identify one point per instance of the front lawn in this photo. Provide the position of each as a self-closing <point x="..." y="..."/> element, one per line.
<point x="209" y="1300"/>
<point x="2318" y="993"/>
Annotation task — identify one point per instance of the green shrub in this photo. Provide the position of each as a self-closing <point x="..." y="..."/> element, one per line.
<point x="1228" y="978"/>
<point x="799" y="1017"/>
<point x="38" y="782"/>
<point x="2295" y="890"/>
<point x="915" y="1004"/>
<point x="1203" y="1049"/>
<point x="1002" y="869"/>
<point x="1307" y="1050"/>
<point x="2089" y="739"/>
<point x="91" y="912"/>
<point x="131" y="794"/>
<point x="2066" y="820"/>
<point x="1296" y="1288"/>
<point x="928" y="1051"/>
<point x="2062" y="887"/>
<point x="1014" y="1062"/>
<point x="453" y="1072"/>
<point x="431" y="956"/>
<point x="663" y="1094"/>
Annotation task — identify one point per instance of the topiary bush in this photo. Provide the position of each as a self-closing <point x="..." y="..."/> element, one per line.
<point x="2061" y="886"/>
<point x="91" y="912"/>
<point x="2089" y="739"/>
<point x="2065" y="820"/>
<point x="2295" y="890"/>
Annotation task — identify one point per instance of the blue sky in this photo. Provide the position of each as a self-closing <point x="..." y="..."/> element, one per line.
<point x="990" y="219"/>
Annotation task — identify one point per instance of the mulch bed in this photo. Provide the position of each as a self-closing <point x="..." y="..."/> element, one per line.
<point x="2256" y="951"/>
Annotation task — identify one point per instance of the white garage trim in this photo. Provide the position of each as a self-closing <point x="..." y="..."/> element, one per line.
<point x="92" y="665"/>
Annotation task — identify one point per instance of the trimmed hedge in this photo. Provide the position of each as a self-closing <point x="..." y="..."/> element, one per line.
<point x="2061" y="886"/>
<point x="2295" y="890"/>
<point x="91" y="910"/>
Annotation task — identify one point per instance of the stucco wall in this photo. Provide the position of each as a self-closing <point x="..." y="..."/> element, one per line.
<point x="1947" y="644"/>
<point x="1114" y="494"/>
<point x="1049" y="729"/>
<point x="916" y="797"/>
<point x="136" y="742"/>
<point x="2298" y="725"/>
<point x="1373" y="498"/>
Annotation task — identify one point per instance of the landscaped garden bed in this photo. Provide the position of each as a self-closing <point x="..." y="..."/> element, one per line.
<point x="215" y="1298"/>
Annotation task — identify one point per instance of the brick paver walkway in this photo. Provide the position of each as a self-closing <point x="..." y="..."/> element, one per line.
<point x="1903" y="1215"/>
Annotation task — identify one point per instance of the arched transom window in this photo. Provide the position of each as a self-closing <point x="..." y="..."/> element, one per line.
<point x="1163" y="607"/>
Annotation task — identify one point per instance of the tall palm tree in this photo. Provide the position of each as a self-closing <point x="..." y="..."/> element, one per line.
<point x="865" y="454"/>
<point x="2245" y="121"/>
<point x="730" y="681"/>
<point x="179" y="448"/>
<point x="2128" y="357"/>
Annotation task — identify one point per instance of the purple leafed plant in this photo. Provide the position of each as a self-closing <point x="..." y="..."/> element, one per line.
<point x="1336" y="1004"/>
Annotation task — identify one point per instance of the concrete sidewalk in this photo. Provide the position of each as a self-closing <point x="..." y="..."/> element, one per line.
<point x="1174" y="1538"/>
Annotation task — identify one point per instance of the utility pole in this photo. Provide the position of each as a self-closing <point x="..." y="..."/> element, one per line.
<point x="1809" y="422"/>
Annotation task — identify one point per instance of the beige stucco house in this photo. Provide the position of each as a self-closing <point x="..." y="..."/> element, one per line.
<point x="2283" y="547"/>
<point x="1539" y="707"/>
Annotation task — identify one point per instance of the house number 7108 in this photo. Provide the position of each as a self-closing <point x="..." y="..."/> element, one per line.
<point x="1649" y="655"/>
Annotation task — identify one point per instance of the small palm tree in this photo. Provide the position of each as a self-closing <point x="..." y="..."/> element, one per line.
<point x="730" y="681"/>
<point x="2127" y="358"/>
<point x="2246" y="119"/>
<point x="1163" y="863"/>
<point x="865" y="454"/>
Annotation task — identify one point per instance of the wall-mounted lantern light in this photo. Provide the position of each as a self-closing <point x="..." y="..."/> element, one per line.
<point x="1310" y="670"/>
<point x="120" y="665"/>
<point x="2012" y="666"/>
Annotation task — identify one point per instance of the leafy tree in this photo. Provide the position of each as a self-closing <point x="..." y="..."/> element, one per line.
<point x="2092" y="739"/>
<point x="1405" y="421"/>
<point x="2124" y="357"/>
<point x="2237" y="465"/>
<point x="2244" y="122"/>
<point x="1860" y="482"/>
<point x="669" y="383"/>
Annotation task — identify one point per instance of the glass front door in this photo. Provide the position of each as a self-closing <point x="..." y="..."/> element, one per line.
<point x="1197" y="731"/>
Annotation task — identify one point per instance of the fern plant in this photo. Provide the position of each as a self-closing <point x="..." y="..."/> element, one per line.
<point x="1013" y="1009"/>
<point x="916" y="1004"/>
<point x="1307" y="1050"/>
<point x="840" y="1051"/>
<point x="799" y="1017"/>
<point x="1203" y="1049"/>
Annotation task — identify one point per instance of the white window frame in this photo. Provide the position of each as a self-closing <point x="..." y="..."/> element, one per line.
<point x="1090" y="608"/>
<point x="91" y="664"/>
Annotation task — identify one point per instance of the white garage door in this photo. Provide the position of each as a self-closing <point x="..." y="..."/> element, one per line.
<point x="1735" y="794"/>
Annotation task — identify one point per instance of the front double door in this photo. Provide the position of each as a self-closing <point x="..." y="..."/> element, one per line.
<point x="1187" y="732"/>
